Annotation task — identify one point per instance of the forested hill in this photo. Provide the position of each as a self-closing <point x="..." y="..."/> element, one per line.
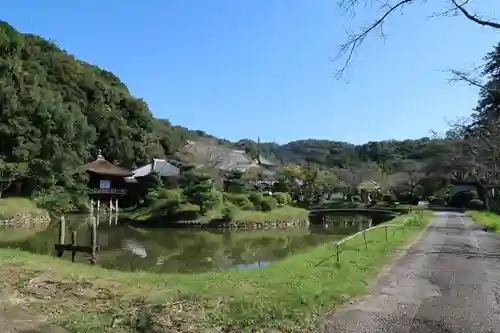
<point x="57" y="111"/>
<point x="343" y="154"/>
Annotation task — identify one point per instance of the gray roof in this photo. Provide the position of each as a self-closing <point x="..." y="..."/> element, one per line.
<point x="160" y="166"/>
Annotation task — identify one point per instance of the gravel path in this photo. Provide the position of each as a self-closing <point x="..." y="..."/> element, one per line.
<point x="448" y="282"/>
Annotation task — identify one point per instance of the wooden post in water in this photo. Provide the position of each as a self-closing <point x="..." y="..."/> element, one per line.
<point x="97" y="211"/>
<point x="73" y="244"/>
<point x="110" y="210"/>
<point x="62" y="237"/>
<point x="386" y="238"/>
<point x="364" y="237"/>
<point x="93" y="240"/>
<point x="73" y="247"/>
<point x="91" y="207"/>
<point x="116" y="211"/>
<point x="338" y="253"/>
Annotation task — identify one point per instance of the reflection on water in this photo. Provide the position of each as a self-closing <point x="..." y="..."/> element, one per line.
<point x="135" y="248"/>
<point x="191" y="250"/>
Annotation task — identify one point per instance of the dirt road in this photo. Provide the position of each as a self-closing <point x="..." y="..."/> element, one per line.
<point x="448" y="282"/>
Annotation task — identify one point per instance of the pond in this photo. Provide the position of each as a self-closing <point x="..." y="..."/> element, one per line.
<point x="185" y="250"/>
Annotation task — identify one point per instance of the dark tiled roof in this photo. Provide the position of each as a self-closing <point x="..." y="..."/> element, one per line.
<point x="103" y="167"/>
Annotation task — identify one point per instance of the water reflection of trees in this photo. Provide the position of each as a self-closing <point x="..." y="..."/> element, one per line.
<point x="187" y="250"/>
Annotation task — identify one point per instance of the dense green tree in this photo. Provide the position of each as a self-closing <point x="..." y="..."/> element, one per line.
<point x="56" y="111"/>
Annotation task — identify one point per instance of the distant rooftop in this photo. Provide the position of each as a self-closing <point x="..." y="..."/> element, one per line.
<point x="160" y="166"/>
<point x="220" y="157"/>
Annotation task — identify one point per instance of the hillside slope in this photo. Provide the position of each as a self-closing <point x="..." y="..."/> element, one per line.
<point x="58" y="111"/>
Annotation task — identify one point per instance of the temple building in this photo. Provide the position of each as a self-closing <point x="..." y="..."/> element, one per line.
<point x="106" y="184"/>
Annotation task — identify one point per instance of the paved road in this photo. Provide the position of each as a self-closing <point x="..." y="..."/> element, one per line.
<point x="448" y="282"/>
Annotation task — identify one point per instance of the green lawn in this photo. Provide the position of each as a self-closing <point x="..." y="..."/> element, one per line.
<point x="287" y="296"/>
<point x="490" y="220"/>
<point x="10" y="207"/>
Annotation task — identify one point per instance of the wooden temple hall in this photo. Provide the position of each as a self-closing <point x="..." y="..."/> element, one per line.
<point x="107" y="185"/>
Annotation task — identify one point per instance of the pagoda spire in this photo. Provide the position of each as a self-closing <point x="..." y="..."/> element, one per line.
<point x="258" y="149"/>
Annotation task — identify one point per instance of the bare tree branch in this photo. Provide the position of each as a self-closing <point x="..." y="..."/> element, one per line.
<point x="465" y="77"/>
<point x="450" y="11"/>
<point x="354" y="40"/>
<point x="474" y="18"/>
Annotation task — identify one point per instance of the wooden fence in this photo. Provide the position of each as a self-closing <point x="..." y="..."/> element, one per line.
<point x="417" y="213"/>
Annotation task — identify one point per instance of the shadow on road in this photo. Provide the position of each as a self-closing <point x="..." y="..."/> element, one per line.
<point x="437" y="208"/>
<point x="461" y="252"/>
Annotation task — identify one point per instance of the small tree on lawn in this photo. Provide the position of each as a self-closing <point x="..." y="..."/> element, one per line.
<point x="198" y="187"/>
<point x="154" y="186"/>
<point x="234" y="182"/>
<point x="187" y="176"/>
<point x="154" y="182"/>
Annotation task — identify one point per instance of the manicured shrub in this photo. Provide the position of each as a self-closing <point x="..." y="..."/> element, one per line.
<point x="167" y="201"/>
<point x="188" y="212"/>
<point x="476" y="204"/>
<point x="248" y="206"/>
<point x="256" y="198"/>
<point x="281" y="198"/>
<point x="217" y="198"/>
<point x="228" y="212"/>
<point x="239" y="200"/>
<point x="269" y="204"/>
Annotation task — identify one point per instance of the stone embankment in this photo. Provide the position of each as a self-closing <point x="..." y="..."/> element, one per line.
<point x="278" y="224"/>
<point x="25" y="220"/>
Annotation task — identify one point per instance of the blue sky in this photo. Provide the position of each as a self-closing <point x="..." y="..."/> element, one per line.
<point x="242" y="69"/>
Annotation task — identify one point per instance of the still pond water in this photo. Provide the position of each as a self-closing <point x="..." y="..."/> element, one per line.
<point x="188" y="250"/>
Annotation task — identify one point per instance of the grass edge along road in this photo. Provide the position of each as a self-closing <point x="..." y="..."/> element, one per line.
<point x="489" y="220"/>
<point x="287" y="296"/>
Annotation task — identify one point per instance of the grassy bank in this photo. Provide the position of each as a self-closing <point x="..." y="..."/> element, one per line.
<point x="282" y="213"/>
<point x="287" y="296"/>
<point x="10" y="207"/>
<point x="490" y="220"/>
